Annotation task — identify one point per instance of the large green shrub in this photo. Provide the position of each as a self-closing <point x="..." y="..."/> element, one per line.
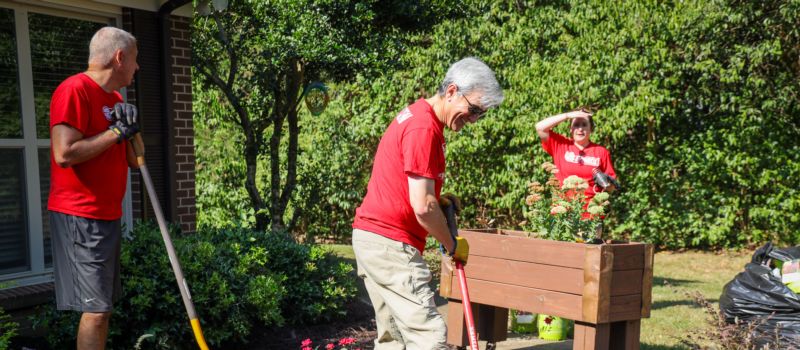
<point x="699" y="107"/>
<point x="698" y="101"/>
<point x="240" y="280"/>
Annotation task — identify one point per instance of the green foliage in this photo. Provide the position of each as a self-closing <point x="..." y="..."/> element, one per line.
<point x="240" y="280"/>
<point x="8" y="330"/>
<point x="258" y="56"/>
<point x="698" y="108"/>
<point x="698" y="102"/>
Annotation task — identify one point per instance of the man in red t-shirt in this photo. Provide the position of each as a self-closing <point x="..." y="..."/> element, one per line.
<point x="401" y="207"/>
<point x="88" y="176"/>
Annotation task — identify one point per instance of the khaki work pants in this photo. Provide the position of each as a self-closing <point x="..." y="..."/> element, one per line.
<point x="397" y="279"/>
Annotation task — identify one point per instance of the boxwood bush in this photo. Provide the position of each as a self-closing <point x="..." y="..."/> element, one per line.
<point x="240" y="280"/>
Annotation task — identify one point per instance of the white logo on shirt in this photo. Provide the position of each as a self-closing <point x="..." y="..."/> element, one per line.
<point x="107" y="112"/>
<point x="88" y="300"/>
<point x="403" y="115"/>
<point x="582" y="160"/>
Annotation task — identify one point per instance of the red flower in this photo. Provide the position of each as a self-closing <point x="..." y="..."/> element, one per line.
<point x="330" y="346"/>
<point x="306" y="348"/>
<point x="346" y="341"/>
<point x="306" y="343"/>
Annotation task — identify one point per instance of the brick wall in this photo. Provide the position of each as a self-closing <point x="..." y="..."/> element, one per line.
<point x="184" y="127"/>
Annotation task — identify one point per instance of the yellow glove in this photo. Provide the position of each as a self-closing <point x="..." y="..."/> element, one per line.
<point x="461" y="251"/>
<point x="446" y="199"/>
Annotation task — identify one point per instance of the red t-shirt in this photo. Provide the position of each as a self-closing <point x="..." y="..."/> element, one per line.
<point x="572" y="161"/>
<point x="94" y="188"/>
<point x="412" y="145"/>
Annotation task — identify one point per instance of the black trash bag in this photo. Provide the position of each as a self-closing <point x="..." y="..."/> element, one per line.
<point x="756" y="295"/>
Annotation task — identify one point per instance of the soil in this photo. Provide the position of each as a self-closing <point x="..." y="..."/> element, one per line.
<point x="359" y="323"/>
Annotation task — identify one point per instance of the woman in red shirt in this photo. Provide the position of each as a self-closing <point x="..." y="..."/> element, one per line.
<point x="577" y="155"/>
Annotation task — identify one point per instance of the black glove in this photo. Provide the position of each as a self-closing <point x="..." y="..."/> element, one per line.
<point x="124" y="121"/>
<point x="446" y="199"/>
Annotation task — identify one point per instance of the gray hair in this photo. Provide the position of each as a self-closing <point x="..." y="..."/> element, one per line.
<point x="471" y="74"/>
<point x="106" y="42"/>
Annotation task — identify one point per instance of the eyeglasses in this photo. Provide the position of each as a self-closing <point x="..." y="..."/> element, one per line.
<point x="474" y="110"/>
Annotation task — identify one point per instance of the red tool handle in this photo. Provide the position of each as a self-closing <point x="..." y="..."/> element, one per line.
<point x="450" y="215"/>
<point x="462" y="280"/>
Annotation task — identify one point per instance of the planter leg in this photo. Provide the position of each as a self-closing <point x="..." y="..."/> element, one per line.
<point x="456" y="327"/>
<point x="492" y="322"/>
<point x="591" y="336"/>
<point x="625" y="335"/>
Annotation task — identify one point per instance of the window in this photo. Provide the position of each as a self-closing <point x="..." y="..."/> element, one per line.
<point x="39" y="48"/>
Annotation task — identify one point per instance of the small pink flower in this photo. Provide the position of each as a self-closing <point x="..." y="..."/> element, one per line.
<point x="306" y="343"/>
<point x="306" y="348"/>
<point x="347" y="341"/>
<point x="330" y="346"/>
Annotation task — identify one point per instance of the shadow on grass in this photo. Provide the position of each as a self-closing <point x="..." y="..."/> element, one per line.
<point x="663" y="304"/>
<point x="674" y="282"/>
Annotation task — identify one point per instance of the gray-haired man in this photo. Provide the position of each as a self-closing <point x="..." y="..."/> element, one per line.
<point x="89" y="171"/>
<point x="401" y="207"/>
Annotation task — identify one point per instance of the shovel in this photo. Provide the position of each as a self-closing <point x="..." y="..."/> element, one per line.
<point x="450" y="215"/>
<point x="138" y="148"/>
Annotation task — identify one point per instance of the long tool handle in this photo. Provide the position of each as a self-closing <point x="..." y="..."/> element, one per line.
<point x="138" y="148"/>
<point x="450" y="215"/>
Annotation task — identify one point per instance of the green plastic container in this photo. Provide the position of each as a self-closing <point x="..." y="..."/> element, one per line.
<point x="522" y="322"/>
<point x="552" y="327"/>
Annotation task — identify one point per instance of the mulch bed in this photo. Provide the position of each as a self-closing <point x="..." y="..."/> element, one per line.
<point x="358" y="324"/>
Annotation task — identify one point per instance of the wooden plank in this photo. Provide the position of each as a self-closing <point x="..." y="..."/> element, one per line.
<point x="521" y="298"/>
<point x="520" y="273"/>
<point x="596" y="297"/>
<point x="446" y="279"/>
<point x="591" y="337"/>
<point x="456" y="326"/>
<point x="627" y="256"/>
<point x="542" y="251"/>
<point x="626" y="282"/>
<point x="606" y="279"/>
<point x="647" y="281"/>
<point x="625" y="307"/>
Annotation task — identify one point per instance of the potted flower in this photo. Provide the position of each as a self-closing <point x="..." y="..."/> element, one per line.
<point x="561" y="212"/>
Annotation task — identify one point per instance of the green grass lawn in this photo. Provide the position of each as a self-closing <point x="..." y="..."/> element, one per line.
<point x="674" y="314"/>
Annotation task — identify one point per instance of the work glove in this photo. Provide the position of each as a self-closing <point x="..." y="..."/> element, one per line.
<point x="124" y="121"/>
<point x="461" y="249"/>
<point x="446" y="199"/>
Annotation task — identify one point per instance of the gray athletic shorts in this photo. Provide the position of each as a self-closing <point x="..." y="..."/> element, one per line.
<point x="85" y="262"/>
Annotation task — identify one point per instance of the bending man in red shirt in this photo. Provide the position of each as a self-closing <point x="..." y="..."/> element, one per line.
<point x="576" y="156"/>
<point x="401" y="207"/>
<point x="89" y="172"/>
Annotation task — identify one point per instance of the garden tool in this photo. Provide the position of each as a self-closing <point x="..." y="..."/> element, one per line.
<point x="606" y="183"/>
<point x="138" y="148"/>
<point x="450" y="215"/>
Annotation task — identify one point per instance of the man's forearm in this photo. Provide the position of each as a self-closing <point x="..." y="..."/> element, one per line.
<point x="68" y="153"/>
<point x="433" y="221"/>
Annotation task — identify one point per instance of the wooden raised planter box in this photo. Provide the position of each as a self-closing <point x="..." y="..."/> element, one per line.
<point x="605" y="289"/>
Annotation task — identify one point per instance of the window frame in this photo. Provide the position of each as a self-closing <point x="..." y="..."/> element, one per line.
<point x="38" y="272"/>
